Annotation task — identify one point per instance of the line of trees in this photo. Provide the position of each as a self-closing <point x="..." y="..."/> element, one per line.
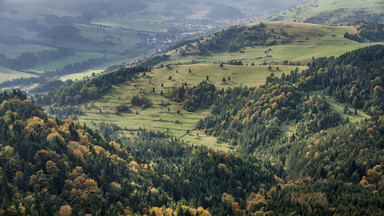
<point x="29" y="59"/>
<point x="90" y="89"/>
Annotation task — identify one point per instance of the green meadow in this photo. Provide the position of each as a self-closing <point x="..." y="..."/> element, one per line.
<point x="8" y="74"/>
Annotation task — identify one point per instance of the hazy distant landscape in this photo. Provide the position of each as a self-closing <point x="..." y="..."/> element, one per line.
<point x="34" y="33"/>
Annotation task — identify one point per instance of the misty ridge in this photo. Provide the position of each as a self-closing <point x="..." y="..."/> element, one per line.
<point x="123" y="7"/>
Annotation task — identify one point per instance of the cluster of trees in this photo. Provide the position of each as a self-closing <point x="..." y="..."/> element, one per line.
<point x="107" y="129"/>
<point x="123" y="108"/>
<point x="235" y="38"/>
<point x="194" y="97"/>
<point x="367" y="30"/>
<point x="48" y="86"/>
<point x="62" y="33"/>
<point x="30" y="59"/>
<point x="141" y="101"/>
<point x="71" y="112"/>
<point x="251" y="117"/>
<point x="154" y="60"/>
<point x="235" y="62"/>
<point x="89" y="89"/>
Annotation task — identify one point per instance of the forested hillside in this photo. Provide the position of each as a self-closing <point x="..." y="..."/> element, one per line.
<point x="52" y="166"/>
<point x="328" y="166"/>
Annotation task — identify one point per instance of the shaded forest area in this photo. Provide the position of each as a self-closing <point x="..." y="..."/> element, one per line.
<point x="370" y="31"/>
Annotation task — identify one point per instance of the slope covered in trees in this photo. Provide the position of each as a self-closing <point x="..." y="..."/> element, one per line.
<point x="89" y="89"/>
<point x="52" y="166"/>
<point x="371" y="31"/>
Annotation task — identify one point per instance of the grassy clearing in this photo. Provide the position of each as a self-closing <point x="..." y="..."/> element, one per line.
<point x="91" y="32"/>
<point x="198" y="137"/>
<point x="8" y="74"/>
<point x="80" y="76"/>
<point x="339" y="107"/>
<point x="78" y="57"/>
<point x="288" y="128"/>
<point x="15" y="51"/>
<point x="250" y="76"/>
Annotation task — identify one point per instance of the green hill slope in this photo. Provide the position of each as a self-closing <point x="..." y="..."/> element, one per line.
<point x="302" y="43"/>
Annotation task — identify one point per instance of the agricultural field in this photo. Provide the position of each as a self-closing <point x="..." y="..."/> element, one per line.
<point x="7" y="74"/>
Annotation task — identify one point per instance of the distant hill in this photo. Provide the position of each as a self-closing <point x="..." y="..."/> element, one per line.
<point x="220" y="11"/>
<point x="236" y="38"/>
<point x="329" y="12"/>
<point x="267" y="43"/>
